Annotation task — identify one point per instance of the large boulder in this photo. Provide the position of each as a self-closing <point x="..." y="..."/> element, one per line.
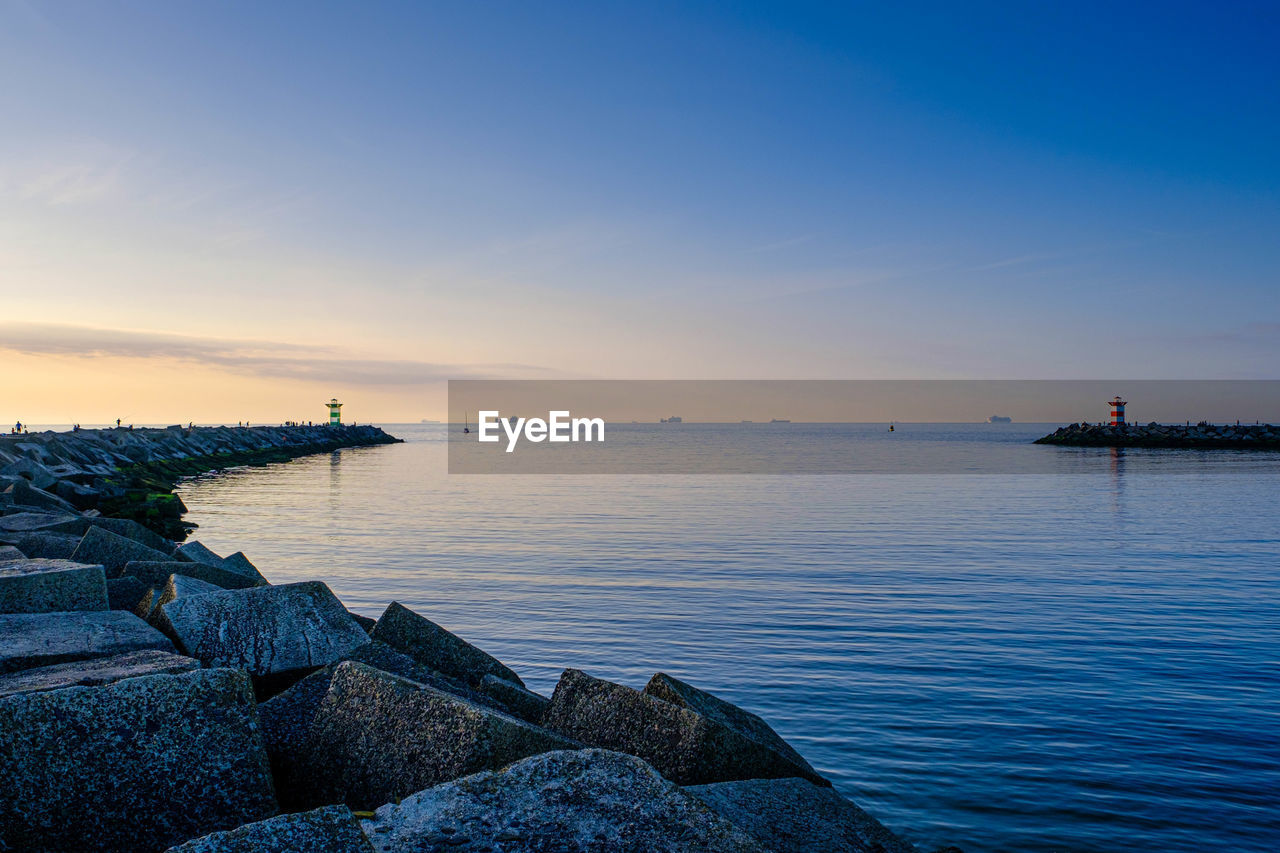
<point x="131" y="594"/>
<point x="45" y="586"/>
<point x="376" y="737"/>
<point x="112" y="551"/>
<point x="156" y="573"/>
<point x="138" y="764"/>
<point x="28" y="522"/>
<point x="796" y="816"/>
<point x="677" y="692"/>
<point x="181" y="586"/>
<point x="588" y="801"/>
<point x="126" y="527"/>
<point x="41" y="639"/>
<point x="287" y="716"/>
<point x="684" y="745"/>
<point x="95" y="671"/>
<point x="50" y="546"/>
<point x="28" y="469"/>
<point x="332" y="829"/>
<point x="268" y="630"/>
<point x="520" y="701"/>
<point x="24" y="494"/>
<point x="10" y="554"/>
<point x="429" y="644"/>
<point x="237" y="563"/>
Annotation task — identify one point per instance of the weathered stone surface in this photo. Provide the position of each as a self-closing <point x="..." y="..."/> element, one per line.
<point x="9" y="554"/>
<point x="366" y="622"/>
<point x="796" y="816"/>
<point x="95" y="672"/>
<point x="138" y="764"/>
<point x="30" y="470"/>
<point x="125" y="527"/>
<point x="286" y="717"/>
<point x="266" y="629"/>
<point x="240" y="564"/>
<point x="429" y="644"/>
<point x="46" y="586"/>
<point x="23" y="493"/>
<point x="28" y="522"/>
<point x="131" y="594"/>
<point x="686" y="747"/>
<point x="520" y="701"/>
<point x="42" y="639"/>
<point x="156" y="573"/>
<point x="376" y="737"/>
<point x="51" y="546"/>
<point x="196" y="552"/>
<point x="677" y="692"/>
<point x="112" y="551"/>
<point x="332" y="829"/>
<point x="588" y="801"/>
<point x="180" y="586"/>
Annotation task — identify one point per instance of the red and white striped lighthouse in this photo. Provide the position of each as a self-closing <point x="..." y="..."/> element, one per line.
<point x="1117" y="411"/>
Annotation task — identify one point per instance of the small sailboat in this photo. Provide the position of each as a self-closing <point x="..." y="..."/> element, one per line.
<point x="466" y="422"/>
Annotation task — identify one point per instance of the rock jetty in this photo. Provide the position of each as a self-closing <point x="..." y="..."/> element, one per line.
<point x="130" y="473"/>
<point x="158" y="696"/>
<point x="1201" y="436"/>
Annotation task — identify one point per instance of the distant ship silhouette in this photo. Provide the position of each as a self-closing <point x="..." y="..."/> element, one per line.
<point x="999" y="419"/>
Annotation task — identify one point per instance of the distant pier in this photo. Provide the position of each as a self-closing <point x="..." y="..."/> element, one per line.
<point x="1201" y="436"/>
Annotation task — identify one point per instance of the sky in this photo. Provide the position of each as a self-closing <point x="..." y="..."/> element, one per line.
<point x="226" y="211"/>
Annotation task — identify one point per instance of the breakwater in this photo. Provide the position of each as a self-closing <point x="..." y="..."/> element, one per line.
<point x="130" y="473"/>
<point x="156" y="695"/>
<point x="1201" y="436"/>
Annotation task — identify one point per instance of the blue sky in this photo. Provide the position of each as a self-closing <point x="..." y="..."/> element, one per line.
<point x="644" y="190"/>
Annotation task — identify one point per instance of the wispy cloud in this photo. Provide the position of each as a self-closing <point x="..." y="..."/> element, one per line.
<point x="249" y="357"/>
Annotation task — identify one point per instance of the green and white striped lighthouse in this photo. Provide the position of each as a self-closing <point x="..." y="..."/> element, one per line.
<point x="335" y="412"/>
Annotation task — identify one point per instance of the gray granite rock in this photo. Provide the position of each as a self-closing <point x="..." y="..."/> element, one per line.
<point x="181" y="586"/>
<point x="51" y="546"/>
<point x="429" y="644"/>
<point x="332" y="829"/>
<point x="23" y="493"/>
<point x="267" y="630"/>
<point x="685" y="746"/>
<point x="28" y="522"/>
<point x="366" y="622"/>
<point x="94" y="672"/>
<point x="112" y="551"/>
<point x="129" y="593"/>
<point x="240" y="564"/>
<point x="10" y="553"/>
<point x="287" y="716"/>
<point x="586" y="801"/>
<point x="796" y="816"/>
<point x="376" y="737"/>
<point x="677" y="692"/>
<point x="156" y="573"/>
<point x="125" y="527"/>
<point x="196" y="552"/>
<point x="138" y="764"/>
<point x="518" y="700"/>
<point x="46" y="586"/>
<point x="42" y="639"/>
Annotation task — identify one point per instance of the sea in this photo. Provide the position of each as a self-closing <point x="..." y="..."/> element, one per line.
<point x="1007" y="659"/>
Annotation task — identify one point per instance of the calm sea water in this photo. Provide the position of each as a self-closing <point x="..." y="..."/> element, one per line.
<point x="1024" y="662"/>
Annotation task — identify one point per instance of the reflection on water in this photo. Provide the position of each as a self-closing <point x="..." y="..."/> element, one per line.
<point x="1020" y="663"/>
